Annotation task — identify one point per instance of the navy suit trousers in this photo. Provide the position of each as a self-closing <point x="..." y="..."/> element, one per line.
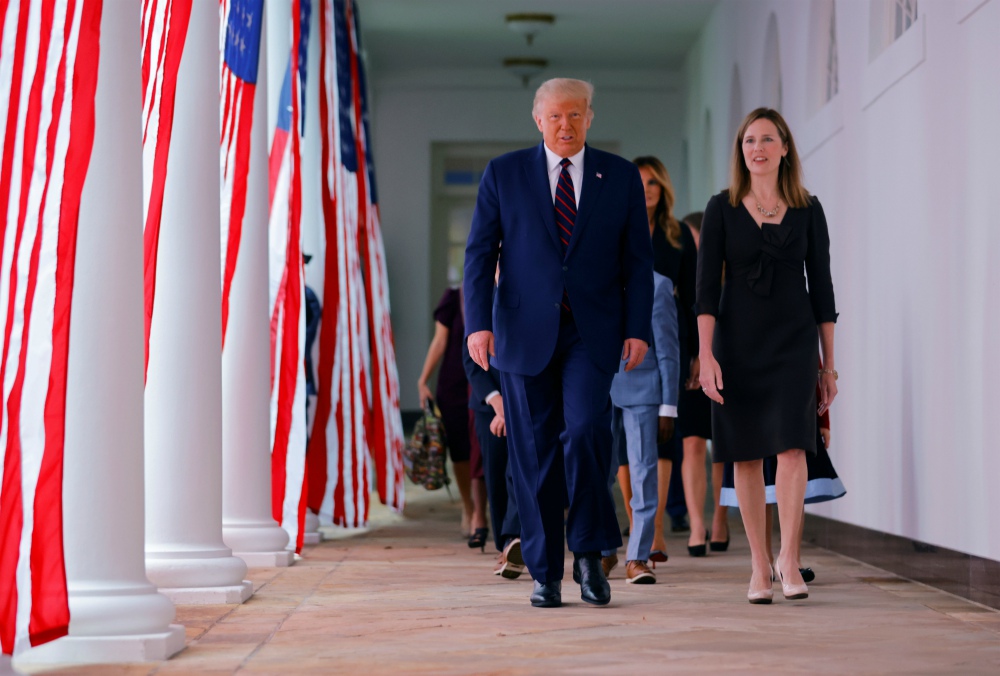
<point x="499" y="483"/>
<point x="559" y="439"/>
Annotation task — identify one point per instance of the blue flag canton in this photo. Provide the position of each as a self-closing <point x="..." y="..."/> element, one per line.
<point x="363" y="81"/>
<point x="243" y="38"/>
<point x="285" y="101"/>
<point x="305" y="14"/>
<point x="345" y="86"/>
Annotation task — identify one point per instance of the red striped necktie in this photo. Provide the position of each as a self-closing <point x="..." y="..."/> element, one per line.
<point x="565" y="205"/>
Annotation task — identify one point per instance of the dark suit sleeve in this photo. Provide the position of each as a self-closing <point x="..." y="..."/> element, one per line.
<point x="711" y="254"/>
<point x="688" y="279"/>
<point x="818" y="266"/>
<point x="637" y="264"/>
<point x="482" y="382"/>
<point x="481" y="253"/>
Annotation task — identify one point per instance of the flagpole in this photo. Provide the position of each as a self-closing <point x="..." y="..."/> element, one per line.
<point x="116" y="615"/>
<point x="185" y="553"/>
<point x="247" y="525"/>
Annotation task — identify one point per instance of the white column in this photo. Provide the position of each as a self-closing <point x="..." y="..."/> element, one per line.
<point x="185" y="554"/>
<point x="247" y="524"/>
<point x="116" y="614"/>
<point x="312" y="211"/>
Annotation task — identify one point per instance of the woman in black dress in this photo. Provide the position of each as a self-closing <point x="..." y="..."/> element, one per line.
<point x="758" y="336"/>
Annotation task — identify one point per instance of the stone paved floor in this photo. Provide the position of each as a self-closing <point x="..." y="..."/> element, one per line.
<point x="408" y="596"/>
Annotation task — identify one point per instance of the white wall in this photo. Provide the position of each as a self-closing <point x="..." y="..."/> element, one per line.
<point x="411" y="111"/>
<point x="904" y="160"/>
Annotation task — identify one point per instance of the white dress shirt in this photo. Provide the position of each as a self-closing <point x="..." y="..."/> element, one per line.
<point x="575" y="172"/>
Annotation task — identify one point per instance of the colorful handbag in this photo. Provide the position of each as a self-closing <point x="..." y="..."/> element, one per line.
<point x="424" y="455"/>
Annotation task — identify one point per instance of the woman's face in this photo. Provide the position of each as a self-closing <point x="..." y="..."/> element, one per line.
<point x="652" y="188"/>
<point x="763" y="148"/>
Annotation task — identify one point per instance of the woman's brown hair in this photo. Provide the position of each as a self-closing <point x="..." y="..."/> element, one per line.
<point x="663" y="216"/>
<point x="789" y="170"/>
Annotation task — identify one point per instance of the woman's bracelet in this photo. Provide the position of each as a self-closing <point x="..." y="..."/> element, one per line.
<point x="831" y="371"/>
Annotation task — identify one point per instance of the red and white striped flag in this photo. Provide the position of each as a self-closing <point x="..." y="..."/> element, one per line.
<point x="287" y="281"/>
<point x="357" y="419"/>
<point x="48" y="79"/>
<point x="239" y="49"/>
<point x="387" y="438"/>
<point x="164" y="29"/>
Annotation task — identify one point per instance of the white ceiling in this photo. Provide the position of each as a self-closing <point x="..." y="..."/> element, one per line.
<point x="407" y="35"/>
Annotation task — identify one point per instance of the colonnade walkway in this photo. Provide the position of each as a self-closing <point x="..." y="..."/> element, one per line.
<point x="409" y="596"/>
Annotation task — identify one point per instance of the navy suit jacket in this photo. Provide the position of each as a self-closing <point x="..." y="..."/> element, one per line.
<point x="656" y="380"/>
<point x="607" y="270"/>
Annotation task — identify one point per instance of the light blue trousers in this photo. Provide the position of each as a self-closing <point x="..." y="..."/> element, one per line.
<point x="637" y="427"/>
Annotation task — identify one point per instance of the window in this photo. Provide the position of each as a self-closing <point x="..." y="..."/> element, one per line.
<point x="896" y="46"/>
<point x="832" y="76"/>
<point x="771" y="90"/>
<point x="904" y="16"/>
<point x="890" y="19"/>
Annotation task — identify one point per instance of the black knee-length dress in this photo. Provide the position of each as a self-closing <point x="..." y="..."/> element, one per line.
<point x="765" y="339"/>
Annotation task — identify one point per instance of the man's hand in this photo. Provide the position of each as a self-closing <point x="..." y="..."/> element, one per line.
<point x="498" y="426"/>
<point x="634" y="351"/>
<point x="481" y="348"/>
<point x="664" y="430"/>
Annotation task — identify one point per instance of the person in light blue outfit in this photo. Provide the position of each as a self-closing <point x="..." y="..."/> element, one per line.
<point x="645" y="405"/>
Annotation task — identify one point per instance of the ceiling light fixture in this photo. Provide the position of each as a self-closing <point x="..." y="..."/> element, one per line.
<point x="525" y="67"/>
<point x="529" y="24"/>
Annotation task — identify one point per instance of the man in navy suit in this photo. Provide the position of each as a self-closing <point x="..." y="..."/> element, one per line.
<point x="574" y="299"/>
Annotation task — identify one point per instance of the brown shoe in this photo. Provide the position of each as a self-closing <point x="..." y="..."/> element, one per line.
<point x="510" y="564"/>
<point x="609" y="563"/>
<point x="637" y="572"/>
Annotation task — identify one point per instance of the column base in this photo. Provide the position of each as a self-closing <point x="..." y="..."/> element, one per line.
<point x="311" y="536"/>
<point x="107" y="649"/>
<point x="280" y="559"/>
<point x="7" y="667"/>
<point x="217" y="571"/>
<point x="201" y="596"/>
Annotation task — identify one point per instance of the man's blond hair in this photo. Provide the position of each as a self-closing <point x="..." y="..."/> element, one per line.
<point x="563" y="88"/>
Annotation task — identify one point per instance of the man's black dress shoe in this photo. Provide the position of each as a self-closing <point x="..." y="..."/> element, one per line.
<point x="594" y="587"/>
<point x="547" y="594"/>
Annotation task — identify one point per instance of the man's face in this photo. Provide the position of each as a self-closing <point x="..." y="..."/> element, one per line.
<point x="564" y="124"/>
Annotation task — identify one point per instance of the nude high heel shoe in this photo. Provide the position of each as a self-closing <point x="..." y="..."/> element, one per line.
<point x="761" y="596"/>
<point x="791" y="591"/>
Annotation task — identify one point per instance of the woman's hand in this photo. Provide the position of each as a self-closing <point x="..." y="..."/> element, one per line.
<point x="664" y="430"/>
<point x="425" y="393"/>
<point x="827" y="391"/>
<point x="710" y="378"/>
<point x="693" y="383"/>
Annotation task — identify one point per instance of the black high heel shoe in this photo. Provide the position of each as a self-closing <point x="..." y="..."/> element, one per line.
<point x="699" y="550"/>
<point x="478" y="538"/>
<point x="807" y="574"/>
<point x="719" y="546"/>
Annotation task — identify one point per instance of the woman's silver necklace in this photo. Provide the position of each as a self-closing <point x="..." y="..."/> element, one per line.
<point x="764" y="211"/>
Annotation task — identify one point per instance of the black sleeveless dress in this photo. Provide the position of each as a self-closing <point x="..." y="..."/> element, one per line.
<point x="765" y="339"/>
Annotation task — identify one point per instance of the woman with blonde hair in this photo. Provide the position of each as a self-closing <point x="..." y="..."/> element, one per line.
<point x="758" y="335"/>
